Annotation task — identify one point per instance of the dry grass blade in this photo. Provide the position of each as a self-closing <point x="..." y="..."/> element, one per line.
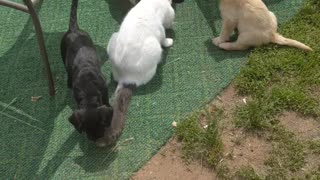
<point x="21" y="121"/>
<point x="12" y="102"/>
<point x="18" y="111"/>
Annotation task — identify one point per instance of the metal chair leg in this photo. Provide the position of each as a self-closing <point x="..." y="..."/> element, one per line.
<point x="14" y="5"/>
<point x="42" y="48"/>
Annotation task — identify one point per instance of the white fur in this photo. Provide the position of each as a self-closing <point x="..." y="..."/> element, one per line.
<point x="135" y="50"/>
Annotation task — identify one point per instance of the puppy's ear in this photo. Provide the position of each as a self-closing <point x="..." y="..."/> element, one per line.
<point x="75" y="120"/>
<point x="106" y="114"/>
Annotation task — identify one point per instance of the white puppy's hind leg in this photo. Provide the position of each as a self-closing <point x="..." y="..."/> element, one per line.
<point x="169" y="18"/>
<point x="167" y="42"/>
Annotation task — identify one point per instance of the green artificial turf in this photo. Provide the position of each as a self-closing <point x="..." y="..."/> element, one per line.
<point x="38" y="142"/>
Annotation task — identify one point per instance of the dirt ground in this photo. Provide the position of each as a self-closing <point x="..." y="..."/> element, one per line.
<point x="240" y="148"/>
<point x="168" y="164"/>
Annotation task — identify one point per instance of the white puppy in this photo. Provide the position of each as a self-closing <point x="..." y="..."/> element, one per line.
<point x="135" y="50"/>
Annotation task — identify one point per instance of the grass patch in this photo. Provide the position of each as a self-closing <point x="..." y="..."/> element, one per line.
<point x="313" y="175"/>
<point x="260" y="113"/>
<point x="201" y="143"/>
<point x="223" y="172"/>
<point x="315" y="4"/>
<point x="253" y="116"/>
<point x="287" y="154"/>
<point x="246" y="173"/>
<point x="294" y="99"/>
<point x="314" y="146"/>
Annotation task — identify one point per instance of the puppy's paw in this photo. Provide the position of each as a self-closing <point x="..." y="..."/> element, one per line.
<point x="233" y="46"/>
<point x="225" y="46"/>
<point x="216" y="41"/>
<point x="167" y="42"/>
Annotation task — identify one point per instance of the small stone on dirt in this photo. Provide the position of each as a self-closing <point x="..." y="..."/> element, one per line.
<point x="174" y="124"/>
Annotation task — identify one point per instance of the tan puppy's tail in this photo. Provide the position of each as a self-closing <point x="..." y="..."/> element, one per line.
<point x="279" y="39"/>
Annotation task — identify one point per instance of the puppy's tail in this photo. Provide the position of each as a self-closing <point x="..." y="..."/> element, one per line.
<point x="123" y="98"/>
<point x="279" y="39"/>
<point x="73" y="23"/>
<point x="120" y="109"/>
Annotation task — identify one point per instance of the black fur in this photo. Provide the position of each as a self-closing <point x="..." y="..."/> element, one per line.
<point x="94" y="113"/>
<point x="177" y="1"/>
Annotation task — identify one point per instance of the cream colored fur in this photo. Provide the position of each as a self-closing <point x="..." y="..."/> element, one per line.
<point x="255" y="23"/>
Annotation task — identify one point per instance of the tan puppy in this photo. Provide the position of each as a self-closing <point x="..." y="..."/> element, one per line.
<point x="255" y="23"/>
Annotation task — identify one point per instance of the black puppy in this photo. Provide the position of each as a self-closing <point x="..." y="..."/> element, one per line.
<point x="94" y="113"/>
